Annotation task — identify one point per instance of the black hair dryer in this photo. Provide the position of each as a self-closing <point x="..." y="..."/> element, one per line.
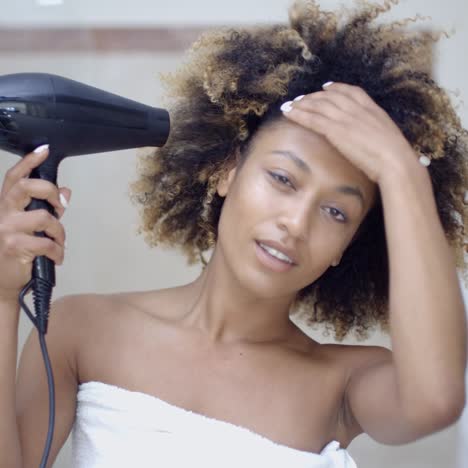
<point x="74" y="119"/>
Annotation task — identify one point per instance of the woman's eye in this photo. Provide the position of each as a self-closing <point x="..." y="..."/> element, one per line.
<point x="281" y="179"/>
<point x="337" y="214"/>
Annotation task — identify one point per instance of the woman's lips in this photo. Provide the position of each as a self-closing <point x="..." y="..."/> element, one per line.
<point x="271" y="262"/>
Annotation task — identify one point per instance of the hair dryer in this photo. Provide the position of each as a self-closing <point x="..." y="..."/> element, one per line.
<point x="74" y="119"/>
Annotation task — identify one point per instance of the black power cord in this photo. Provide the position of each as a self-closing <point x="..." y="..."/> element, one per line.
<point x="42" y="292"/>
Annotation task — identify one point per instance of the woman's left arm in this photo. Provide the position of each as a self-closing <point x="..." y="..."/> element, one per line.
<point x="427" y="316"/>
<point x="423" y="380"/>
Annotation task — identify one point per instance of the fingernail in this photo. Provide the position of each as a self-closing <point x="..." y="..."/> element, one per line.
<point x="299" y="97"/>
<point x="328" y="83"/>
<point x="286" y="107"/>
<point x="63" y="201"/>
<point x="65" y="244"/>
<point x="41" y="148"/>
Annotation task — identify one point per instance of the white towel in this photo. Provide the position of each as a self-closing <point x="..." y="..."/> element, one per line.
<point x="115" y="427"/>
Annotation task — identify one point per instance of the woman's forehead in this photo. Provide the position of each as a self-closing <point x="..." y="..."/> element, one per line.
<point x="305" y="147"/>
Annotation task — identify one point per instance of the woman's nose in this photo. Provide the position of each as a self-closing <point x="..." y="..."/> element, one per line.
<point x="297" y="220"/>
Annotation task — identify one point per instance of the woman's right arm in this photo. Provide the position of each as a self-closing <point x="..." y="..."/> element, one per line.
<point x="24" y="405"/>
<point x="24" y="402"/>
<point x="10" y="448"/>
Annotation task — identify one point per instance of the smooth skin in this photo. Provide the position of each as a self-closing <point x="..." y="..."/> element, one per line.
<point x="226" y="336"/>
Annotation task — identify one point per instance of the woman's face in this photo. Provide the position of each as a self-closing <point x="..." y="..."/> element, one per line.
<point x="297" y="190"/>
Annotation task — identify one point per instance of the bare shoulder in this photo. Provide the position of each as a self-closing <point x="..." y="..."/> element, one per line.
<point x="89" y="310"/>
<point x="93" y="322"/>
<point x="113" y="326"/>
<point x="84" y="311"/>
<point x="79" y="311"/>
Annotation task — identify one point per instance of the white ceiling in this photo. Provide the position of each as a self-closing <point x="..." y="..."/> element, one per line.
<point x="195" y="12"/>
<point x="141" y="12"/>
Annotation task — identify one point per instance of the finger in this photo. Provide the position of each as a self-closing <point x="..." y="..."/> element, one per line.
<point x="36" y="221"/>
<point x="323" y="106"/>
<point x="366" y="111"/>
<point x="339" y="100"/>
<point x="356" y="93"/>
<point x="66" y="192"/>
<point x="351" y="111"/>
<point x="23" y="168"/>
<point x="26" y="248"/>
<point x="24" y="190"/>
<point x="311" y="120"/>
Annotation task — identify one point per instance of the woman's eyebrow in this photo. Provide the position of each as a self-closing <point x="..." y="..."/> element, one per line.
<point x="303" y="166"/>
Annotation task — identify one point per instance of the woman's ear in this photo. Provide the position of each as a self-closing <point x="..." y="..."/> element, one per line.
<point x="228" y="176"/>
<point x="225" y="182"/>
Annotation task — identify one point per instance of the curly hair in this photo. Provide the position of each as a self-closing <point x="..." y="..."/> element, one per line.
<point x="235" y="82"/>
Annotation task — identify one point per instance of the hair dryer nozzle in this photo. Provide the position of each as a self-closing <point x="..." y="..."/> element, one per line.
<point x="74" y="118"/>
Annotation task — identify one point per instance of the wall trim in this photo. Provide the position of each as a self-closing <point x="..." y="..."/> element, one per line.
<point x="98" y="39"/>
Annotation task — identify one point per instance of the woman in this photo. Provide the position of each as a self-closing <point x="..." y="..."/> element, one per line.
<point x="327" y="171"/>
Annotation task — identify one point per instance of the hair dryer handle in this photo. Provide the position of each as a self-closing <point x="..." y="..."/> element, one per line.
<point x="44" y="267"/>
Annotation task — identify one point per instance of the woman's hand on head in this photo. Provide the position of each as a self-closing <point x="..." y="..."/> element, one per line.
<point x="358" y="127"/>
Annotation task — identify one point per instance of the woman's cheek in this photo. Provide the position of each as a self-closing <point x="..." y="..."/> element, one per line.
<point x="259" y="194"/>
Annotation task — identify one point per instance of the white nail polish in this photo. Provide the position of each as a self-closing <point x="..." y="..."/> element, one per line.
<point x="328" y="83"/>
<point x="63" y="201"/>
<point x="286" y="107"/>
<point x="299" y="97"/>
<point x="41" y="148"/>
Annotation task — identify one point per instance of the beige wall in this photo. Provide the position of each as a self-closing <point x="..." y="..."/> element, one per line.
<point x="101" y="221"/>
